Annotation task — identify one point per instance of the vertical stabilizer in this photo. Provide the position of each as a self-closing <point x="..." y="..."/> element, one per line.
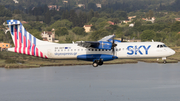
<point x="24" y="42"/>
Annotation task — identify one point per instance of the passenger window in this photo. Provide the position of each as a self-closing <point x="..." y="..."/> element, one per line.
<point x="161" y="46"/>
<point x="89" y="49"/>
<point x="92" y="49"/>
<point x="102" y="49"/>
<point x="99" y="49"/>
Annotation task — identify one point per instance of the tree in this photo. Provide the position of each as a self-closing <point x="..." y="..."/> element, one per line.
<point x="36" y="33"/>
<point x="5" y="12"/>
<point x="47" y="17"/>
<point x="96" y="35"/>
<point x="100" y="20"/>
<point x="115" y="20"/>
<point x="93" y="20"/>
<point x="122" y="15"/>
<point x="176" y="26"/>
<point x="92" y="6"/>
<point x="65" y="15"/>
<point x="96" y="14"/>
<point x="57" y="17"/>
<point x="74" y="18"/>
<point x="90" y="14"/>
<point x="82" y="19"/>
<point x="62" y="31"/>
<point x="79" y="31"/>
<point x="112" y="28"/>
<point x="62" y="23"/>
<point x="102" y="25"/>
<point x="151" y="14"/>
<point x="1" y="56"/>
<point x="147" y="35"/>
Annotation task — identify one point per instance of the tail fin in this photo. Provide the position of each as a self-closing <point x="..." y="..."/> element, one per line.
<point x="24" y="42"/>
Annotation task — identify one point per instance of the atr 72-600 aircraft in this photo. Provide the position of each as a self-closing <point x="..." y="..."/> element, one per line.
<point x="105" y="49"/>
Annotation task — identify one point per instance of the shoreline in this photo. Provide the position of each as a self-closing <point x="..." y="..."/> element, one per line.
<point x="78" y="62"/>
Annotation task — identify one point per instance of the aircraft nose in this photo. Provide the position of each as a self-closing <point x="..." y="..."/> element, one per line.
<point x="172" y="52"/>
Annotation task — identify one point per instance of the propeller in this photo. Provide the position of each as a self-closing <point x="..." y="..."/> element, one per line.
<point x="113" y="47"/>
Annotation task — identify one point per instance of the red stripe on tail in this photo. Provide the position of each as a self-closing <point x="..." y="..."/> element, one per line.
<point x="15" y="38"/>
<point x="37" y="52"/>
<point x="24" y="48"/>
<point x="41" y="54"/>
<point x="20" y="42"/>
<point x="32" y="50"/>
<point x="28" y="49"/>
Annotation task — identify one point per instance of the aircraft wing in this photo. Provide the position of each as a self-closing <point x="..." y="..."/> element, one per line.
<point x="104" y="43"/>
<point x="88" y="44"/>
<point x="107" y="38"/>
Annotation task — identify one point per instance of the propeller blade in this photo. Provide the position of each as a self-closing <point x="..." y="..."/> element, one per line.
<point x="113" y="47"/>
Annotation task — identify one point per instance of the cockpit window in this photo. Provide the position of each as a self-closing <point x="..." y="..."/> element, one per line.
<point x="158" y="46"/>
<point x="161" y="46"/>
<point x="164" y="45"/>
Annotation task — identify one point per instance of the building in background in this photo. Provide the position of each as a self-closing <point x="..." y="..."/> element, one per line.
<point x="4" y="46"/>
<point x="87" y="28"/>
<point x="48" y="36"/>
<point x="98" y="6"/>
<point x="111" y="23"/>
<point x="149" y="19"/>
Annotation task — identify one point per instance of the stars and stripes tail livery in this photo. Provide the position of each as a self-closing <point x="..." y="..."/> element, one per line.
<point x="24" y="42"/>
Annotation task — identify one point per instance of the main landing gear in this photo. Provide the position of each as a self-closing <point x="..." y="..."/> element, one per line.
<point x="97" y="62"/>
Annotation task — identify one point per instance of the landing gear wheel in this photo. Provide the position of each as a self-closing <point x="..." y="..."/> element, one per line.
<point x="95" y="64"/>
<point x="164" y="61"/>
<point x="100" y="63"/>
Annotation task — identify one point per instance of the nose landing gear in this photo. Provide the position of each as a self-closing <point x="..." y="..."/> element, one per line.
<point x="164" y="60"/>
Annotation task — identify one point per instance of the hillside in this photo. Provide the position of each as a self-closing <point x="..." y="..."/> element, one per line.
<point x="141" y="4"/>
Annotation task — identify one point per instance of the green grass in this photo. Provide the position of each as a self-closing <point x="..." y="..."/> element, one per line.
<point x="21" y="66"/>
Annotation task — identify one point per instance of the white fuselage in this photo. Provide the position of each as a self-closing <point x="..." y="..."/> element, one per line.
<point x="122" y="50"/>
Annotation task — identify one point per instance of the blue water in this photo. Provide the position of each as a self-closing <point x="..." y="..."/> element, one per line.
<point x="122" y="82"/>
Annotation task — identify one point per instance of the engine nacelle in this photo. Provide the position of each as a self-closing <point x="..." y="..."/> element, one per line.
<point x="92" y="57"/>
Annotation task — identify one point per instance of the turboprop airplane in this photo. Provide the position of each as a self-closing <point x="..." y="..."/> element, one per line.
<point x="105" y="49"/>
